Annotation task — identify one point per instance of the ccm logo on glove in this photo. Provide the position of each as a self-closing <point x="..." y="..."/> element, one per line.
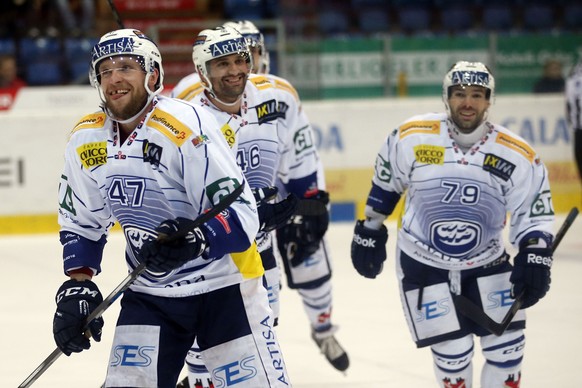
<point x="76" y="291"/>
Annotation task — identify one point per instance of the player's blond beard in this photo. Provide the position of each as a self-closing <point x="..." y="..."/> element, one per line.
<point x="132" y="108"/>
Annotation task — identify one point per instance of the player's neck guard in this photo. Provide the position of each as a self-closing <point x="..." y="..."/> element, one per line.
<point x="467" y="140"/>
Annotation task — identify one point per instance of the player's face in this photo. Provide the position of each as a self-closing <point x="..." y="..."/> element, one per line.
<point x="122" y="82"/>
<point x="228" y="76"/>
<point x="468" y="105"/>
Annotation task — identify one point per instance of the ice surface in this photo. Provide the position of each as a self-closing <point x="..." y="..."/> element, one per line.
<point x="372" y="326"/>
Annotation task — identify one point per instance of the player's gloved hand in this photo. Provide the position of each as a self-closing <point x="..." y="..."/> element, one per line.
<point x="301" y="236"/>
<point x="369" y="249"/>
<point x="75" y="301"/>
<point x="161" y="255"/>
<point x="273" y="215"/>
<point x="531" y="274"/>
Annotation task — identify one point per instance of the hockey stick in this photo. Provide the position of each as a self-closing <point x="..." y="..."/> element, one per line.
<point x="470" y="310"/>
<point x="133" y="275"/>
<point x="115" y="13"/>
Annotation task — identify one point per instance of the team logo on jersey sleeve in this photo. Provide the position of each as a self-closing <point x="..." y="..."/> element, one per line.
<point x="542" y="205"/>
<point x="429" y="154"/>
<point x="383" y="169"/>
<point x="221" y="188"/>
<point x="455" y="238"/>
<point x="93" y="154"/>
<point x="271" y="110"/>
<point x="302" y="140"/>
<point x="498" y="166"/>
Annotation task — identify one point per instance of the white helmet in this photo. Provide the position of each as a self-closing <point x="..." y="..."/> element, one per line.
<point x="128" y="42"/>
<point x="254" y="38"/>
<point x="216" y="43"/>
<point x="468" y="74"/>
<point x="132" y="44"/>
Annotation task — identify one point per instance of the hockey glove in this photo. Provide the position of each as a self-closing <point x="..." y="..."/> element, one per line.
<point x="75" y="301"/>
<point x="531" y="274"/>
<point x="302" y="235"/>
<point x="166" y="256"/>
<point x="273" y="215"/>
<point x="369" y="249"/>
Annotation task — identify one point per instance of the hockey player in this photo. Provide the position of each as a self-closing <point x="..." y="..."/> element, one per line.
<point x="574" y="111"/>
<point x="461" y="175"/>
<point x="297" y="171"/>
<point x="150" y="163"/>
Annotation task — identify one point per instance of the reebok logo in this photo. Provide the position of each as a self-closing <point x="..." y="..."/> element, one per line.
<point x="365" y="242"/>
<point x="532" y="258"/>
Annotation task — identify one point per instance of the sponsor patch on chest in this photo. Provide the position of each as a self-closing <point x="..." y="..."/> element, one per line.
<point x="498" y="166"/>
<point x="271" y="110"/>
<point x="93" y="154"/>
<point x="429" y="154"/>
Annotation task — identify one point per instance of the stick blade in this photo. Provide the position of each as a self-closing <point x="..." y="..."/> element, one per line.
<point x="474" y="313"/>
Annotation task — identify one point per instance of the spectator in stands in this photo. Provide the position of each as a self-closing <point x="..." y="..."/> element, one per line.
<point x="10" y="83"/>
<point x="77" y="23"/>
<point x="552" y="80"/>
<point x="9" y="73"/>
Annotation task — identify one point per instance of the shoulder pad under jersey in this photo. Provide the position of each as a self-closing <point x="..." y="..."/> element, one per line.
<point x="260" y="82"/>
<point x="191" y="91"/>
<point x="93" y="120"/>
<point x="169" y="126"/>
<point x="516" y="144"/>
<point x="428" y="127"/>
<point x="286" y="86"/>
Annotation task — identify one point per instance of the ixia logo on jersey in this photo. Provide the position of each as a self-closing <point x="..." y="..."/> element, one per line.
<point x="93" y="154"/>
<point x="498" y="166"/>
<point x="271" y="110"/>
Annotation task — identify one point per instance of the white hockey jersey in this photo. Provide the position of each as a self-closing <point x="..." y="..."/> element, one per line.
<point x="456" y="203"/>
<point x="574" y="98"/>
<point x="271" y="138"/>
<point x="175" y="164"/>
